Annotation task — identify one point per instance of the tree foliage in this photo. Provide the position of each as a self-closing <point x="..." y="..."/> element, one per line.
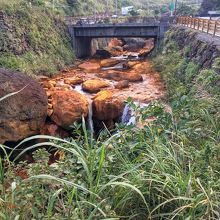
<point x="209" y="5"/>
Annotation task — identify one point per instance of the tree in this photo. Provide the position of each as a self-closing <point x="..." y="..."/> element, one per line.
<point x="134" y="12"/>
<point x="185" y="10"/>
<point x="209" y="5"/>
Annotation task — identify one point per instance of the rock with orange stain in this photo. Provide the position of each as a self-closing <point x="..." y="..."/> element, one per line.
<point x="54" y="130"/>
<point x="130" y="64"/>
<point x="122" y="84"/>
<point x="95" y="85"/>
<point x="106" y="106"/>
<point x="24" y="113"/>
<point x="143" y="67"/>
<point x="73" y="80"/>
<point x="22" y="173"/>
<point x="68" y="107"/>
<point x="49" y="84"/>
<point x="89" y="66"/>
<point x="116" y="51"/>
<point x="131" y="76"/>
<point x="115" y="42"/>
<point x="109" y="62"/>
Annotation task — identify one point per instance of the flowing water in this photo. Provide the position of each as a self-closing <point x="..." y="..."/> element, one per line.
<point x="130" y="63"/>
<point x="90" y="119"/>
<point x="128" y="116"/>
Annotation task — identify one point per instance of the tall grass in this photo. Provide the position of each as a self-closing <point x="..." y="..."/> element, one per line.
<point x="168" y="169"/>
<point x="147" y="173"/>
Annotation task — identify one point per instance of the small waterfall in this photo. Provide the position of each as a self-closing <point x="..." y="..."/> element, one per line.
<point x="90" y="124"/>
<point x="79" y="89"/>
<point x="119" y="66"/>
<point x="90" y="120"/>
<point x="128" y="116"/>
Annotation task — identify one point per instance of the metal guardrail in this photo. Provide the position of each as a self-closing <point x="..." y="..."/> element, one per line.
<point x="107" y="20"/>
<point x="1" y="16"/>
<point x="205" y="25"/>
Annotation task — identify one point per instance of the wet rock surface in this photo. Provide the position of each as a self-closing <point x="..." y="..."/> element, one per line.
<point x="109" y="62"/>
<point x="95" y="89"/>
<point x="122" y="84"/>
<point x="106" y="106"/>
<point x="22" y="114"/>
<point x="89" y="66"/>
<point x="68" y="107"/>
<point x="131" y="76"/>
<point x="94" y="85"/>
<point x="98" y="88"/>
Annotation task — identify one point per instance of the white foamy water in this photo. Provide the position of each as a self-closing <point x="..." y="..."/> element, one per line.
<point x="90" y="124"/>
<point x="129" y="115"/>
<point x="90" y="119"/>
<point x="79" y="89"/>
<point x="118" y="66"/>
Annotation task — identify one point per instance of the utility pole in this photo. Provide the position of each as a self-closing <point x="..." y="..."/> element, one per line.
<point x="53" y="5"/>
<point x="175" y="8"/>
<point x="116" y="7"/>
<point x="107" y="9"/>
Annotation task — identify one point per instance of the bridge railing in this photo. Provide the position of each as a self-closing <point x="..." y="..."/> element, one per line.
<point x="205" y="25"/>
<point x="107" y="20"/>
<point x="1" y="17"/>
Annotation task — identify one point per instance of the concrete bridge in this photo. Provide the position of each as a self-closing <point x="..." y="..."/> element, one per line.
<point x="82" y="34"/>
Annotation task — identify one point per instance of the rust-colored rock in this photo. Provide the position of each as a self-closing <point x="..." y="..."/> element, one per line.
<point x="109" y="62"/>
<point x="143" y="67"/>
<point x="106" y="106"/>
<point x="122" y="84"/>
<point x="73" y="80"/>
<point x="131" y="76"/>
<point x="68" y="107"/>
<point x="22" y="114"/>
<point x="49" y="84"/>
<point x="130" y="64"/>
<point x="115" y="42"/>
<point x="89" y="66"/>
<point x="54" y="130"/>
<point x="93" y="86"/>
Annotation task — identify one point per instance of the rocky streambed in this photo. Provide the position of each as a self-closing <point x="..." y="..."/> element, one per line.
<point x="95" y="89"/>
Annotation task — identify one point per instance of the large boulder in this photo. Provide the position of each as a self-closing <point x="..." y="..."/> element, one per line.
<point x="73" y="80"/>
<point x="122" y="84"/>
<point x="106" y="106"/>
<point x="22" y="114"/>
<point x="94" y="85"/>
<point x="109" y="62"/>
<point x="102" y="54"/>
<point x="131" y="76"/>
<point x="143" y="68"/>
<point x="133" y="44"/>
<point x="52" y="129"/>
<point x="68" y="107"/>
<point x="89" y="66"/>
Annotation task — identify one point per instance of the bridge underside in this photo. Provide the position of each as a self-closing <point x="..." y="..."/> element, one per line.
<point x="82" y="35"/>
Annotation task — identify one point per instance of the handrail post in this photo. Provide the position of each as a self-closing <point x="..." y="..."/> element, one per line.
<point x="203" y="24"/>
<point x="208" y="26"/>
<point x="215" y="28"/>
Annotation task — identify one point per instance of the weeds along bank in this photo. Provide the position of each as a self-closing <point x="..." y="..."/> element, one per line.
<point x="33" y="40"/>
<point x="166" y="170"/>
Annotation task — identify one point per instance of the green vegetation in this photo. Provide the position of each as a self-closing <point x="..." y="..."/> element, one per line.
<point x="33" y="40"/>
<point x="209" y="5"/>
<point x="168" y="169"/>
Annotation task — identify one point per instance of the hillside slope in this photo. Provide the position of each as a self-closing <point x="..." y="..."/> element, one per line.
<point x="33" y="40"/>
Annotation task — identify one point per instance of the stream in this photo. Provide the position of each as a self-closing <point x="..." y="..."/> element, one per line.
<point x="106" y="84"/>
